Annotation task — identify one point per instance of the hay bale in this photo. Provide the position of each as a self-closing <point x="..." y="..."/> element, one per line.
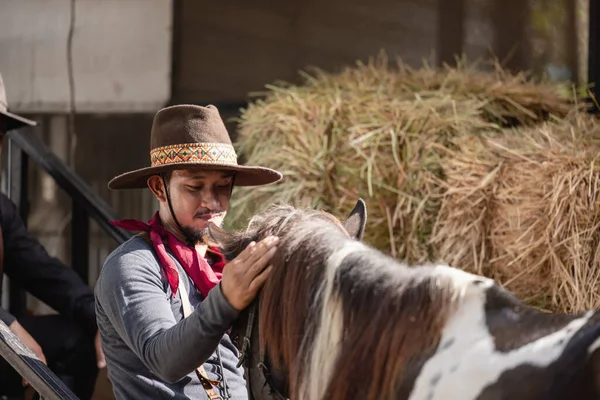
<point x="522" y="207"/>
<point x="465" y="166"/>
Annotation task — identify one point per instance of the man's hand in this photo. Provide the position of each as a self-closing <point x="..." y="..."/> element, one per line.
<point x="100" y="360"/>
<point x="245" y="274"/>
<point x="28" y="341"/>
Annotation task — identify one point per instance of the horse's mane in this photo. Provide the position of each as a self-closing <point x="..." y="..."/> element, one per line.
<point x="277" y="220"/>
<point x="380" y="298"/>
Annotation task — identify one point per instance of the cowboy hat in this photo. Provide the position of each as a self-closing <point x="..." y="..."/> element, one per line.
<point x="190" y="136"/>
<point x="13" y="121"/>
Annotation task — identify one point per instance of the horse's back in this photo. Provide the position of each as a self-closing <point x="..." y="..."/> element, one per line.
<point x="494" y="347"/>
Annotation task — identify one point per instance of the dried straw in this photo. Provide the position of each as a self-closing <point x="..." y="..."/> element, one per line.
<point x="478" y="169"/>
<point x="522" y="207"/>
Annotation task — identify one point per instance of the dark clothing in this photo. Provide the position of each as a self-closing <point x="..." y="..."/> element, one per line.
<point x="27" y="263"/>
<point x="47" y="278"/>
<point x="69" y="352"/>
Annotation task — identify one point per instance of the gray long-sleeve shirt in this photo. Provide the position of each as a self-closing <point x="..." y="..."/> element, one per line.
<point x="151" y="350"/>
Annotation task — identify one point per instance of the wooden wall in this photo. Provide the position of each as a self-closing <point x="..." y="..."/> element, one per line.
<point x="225" y="50"/>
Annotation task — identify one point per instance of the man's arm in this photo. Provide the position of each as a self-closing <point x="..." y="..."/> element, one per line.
<point x="47" y="278"/>
<point x="131" y="293"/>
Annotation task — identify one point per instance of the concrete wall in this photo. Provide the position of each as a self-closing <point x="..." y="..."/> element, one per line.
<point x="116" y="52"/>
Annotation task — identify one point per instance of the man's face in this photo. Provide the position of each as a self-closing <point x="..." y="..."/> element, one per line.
<point x="199" y="197"/>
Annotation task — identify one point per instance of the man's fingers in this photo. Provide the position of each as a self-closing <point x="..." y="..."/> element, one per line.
<point x="261" y="263"/>
<point x="254" y="251"/>
<point x="262" y="248"/>
<point x="260" y="279"/>
<point x="247" y="270"/>
<point x="245" y="254"/>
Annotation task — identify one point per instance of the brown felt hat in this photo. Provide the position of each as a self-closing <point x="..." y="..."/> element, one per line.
<point x="190" y="136"/>
<point x="13" y="121"/>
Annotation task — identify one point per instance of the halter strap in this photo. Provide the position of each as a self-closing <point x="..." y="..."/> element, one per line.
<point x="244" y="357"/>
<point x="206" y="382"/>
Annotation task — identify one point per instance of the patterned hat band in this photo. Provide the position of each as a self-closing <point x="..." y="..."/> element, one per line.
<point x="196" y="153"/>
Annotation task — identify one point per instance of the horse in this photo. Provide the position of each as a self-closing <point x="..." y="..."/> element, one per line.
<point x="338" y="319"/>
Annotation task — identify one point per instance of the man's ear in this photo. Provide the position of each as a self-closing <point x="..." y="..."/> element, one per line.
<point x="356" y="221"/>
<point x="156" y="185"/>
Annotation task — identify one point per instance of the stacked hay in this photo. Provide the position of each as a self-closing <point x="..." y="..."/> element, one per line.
<point x="522" y="207"/>
<point x="490" y="172"/>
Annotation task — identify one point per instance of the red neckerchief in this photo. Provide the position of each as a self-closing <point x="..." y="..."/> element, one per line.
<point x="204" y="276"/>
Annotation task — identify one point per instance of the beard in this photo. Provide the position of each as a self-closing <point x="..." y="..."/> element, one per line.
<point x="193" y="235"/>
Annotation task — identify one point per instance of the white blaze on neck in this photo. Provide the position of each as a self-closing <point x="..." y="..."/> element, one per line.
<point x="325" y="347"/>
<point x="469" y="362"/>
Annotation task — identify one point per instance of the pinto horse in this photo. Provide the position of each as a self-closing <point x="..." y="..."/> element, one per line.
<point x="338" y="319"/>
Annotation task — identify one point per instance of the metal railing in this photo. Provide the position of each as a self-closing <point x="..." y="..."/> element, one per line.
<point x="25" y="146"/>
<point x="29" y="366"/>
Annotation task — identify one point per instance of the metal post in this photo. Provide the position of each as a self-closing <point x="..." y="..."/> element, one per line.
<point x="80" y="235"/>
<point x="10" y="169"/>
<point x="18" y="193"/>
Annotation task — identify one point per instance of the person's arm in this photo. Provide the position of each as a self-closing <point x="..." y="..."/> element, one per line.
<point x="131" y="293"/>
<point x="47" y="278"/>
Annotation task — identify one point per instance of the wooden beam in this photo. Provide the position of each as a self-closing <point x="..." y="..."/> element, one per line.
<point x="510" y="20"/>
<point x="571" y="42"/>
<point x="594" y="51"/>
<point x="451" y="30"/>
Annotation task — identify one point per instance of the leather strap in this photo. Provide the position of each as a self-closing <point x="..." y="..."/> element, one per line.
<point x="200" y="371"/>
<point x="206" y="382"/>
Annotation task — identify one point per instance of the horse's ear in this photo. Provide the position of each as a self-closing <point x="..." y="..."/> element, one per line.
<point x="356" y="221"/>
<point x="217" y="236"/>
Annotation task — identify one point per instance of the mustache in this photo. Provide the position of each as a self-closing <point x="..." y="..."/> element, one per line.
<point x="214" y="213"/>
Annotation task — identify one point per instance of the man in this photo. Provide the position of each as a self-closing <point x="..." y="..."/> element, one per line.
<point x="152" y="350"/>
<point x="69" y="342"/>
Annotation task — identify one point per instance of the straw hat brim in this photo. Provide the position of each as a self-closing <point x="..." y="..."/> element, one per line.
<point x="245" y="175"/>
<point x="15" y="121"/>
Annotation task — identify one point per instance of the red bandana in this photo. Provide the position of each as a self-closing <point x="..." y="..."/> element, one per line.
<point x="204" y="276"/>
